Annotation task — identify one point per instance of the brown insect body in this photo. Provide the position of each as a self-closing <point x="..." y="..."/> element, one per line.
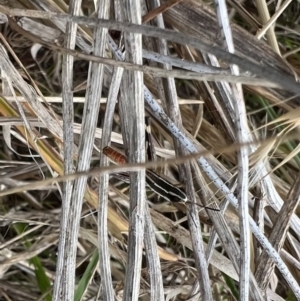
<point x="114" y="156"/>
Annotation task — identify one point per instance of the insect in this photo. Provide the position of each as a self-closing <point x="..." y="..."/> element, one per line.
<point x="156" y="183"/>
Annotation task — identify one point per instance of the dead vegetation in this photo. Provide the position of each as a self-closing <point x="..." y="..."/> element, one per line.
<point x="223" y="101"/>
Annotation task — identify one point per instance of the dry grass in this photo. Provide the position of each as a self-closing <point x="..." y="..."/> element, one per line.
<point x="62" y="100"/>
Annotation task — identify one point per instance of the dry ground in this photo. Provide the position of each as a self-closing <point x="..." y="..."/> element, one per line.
<point x="227" y="93"/>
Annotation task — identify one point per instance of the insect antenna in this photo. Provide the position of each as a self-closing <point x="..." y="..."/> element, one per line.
<point x="202" y="206"/>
